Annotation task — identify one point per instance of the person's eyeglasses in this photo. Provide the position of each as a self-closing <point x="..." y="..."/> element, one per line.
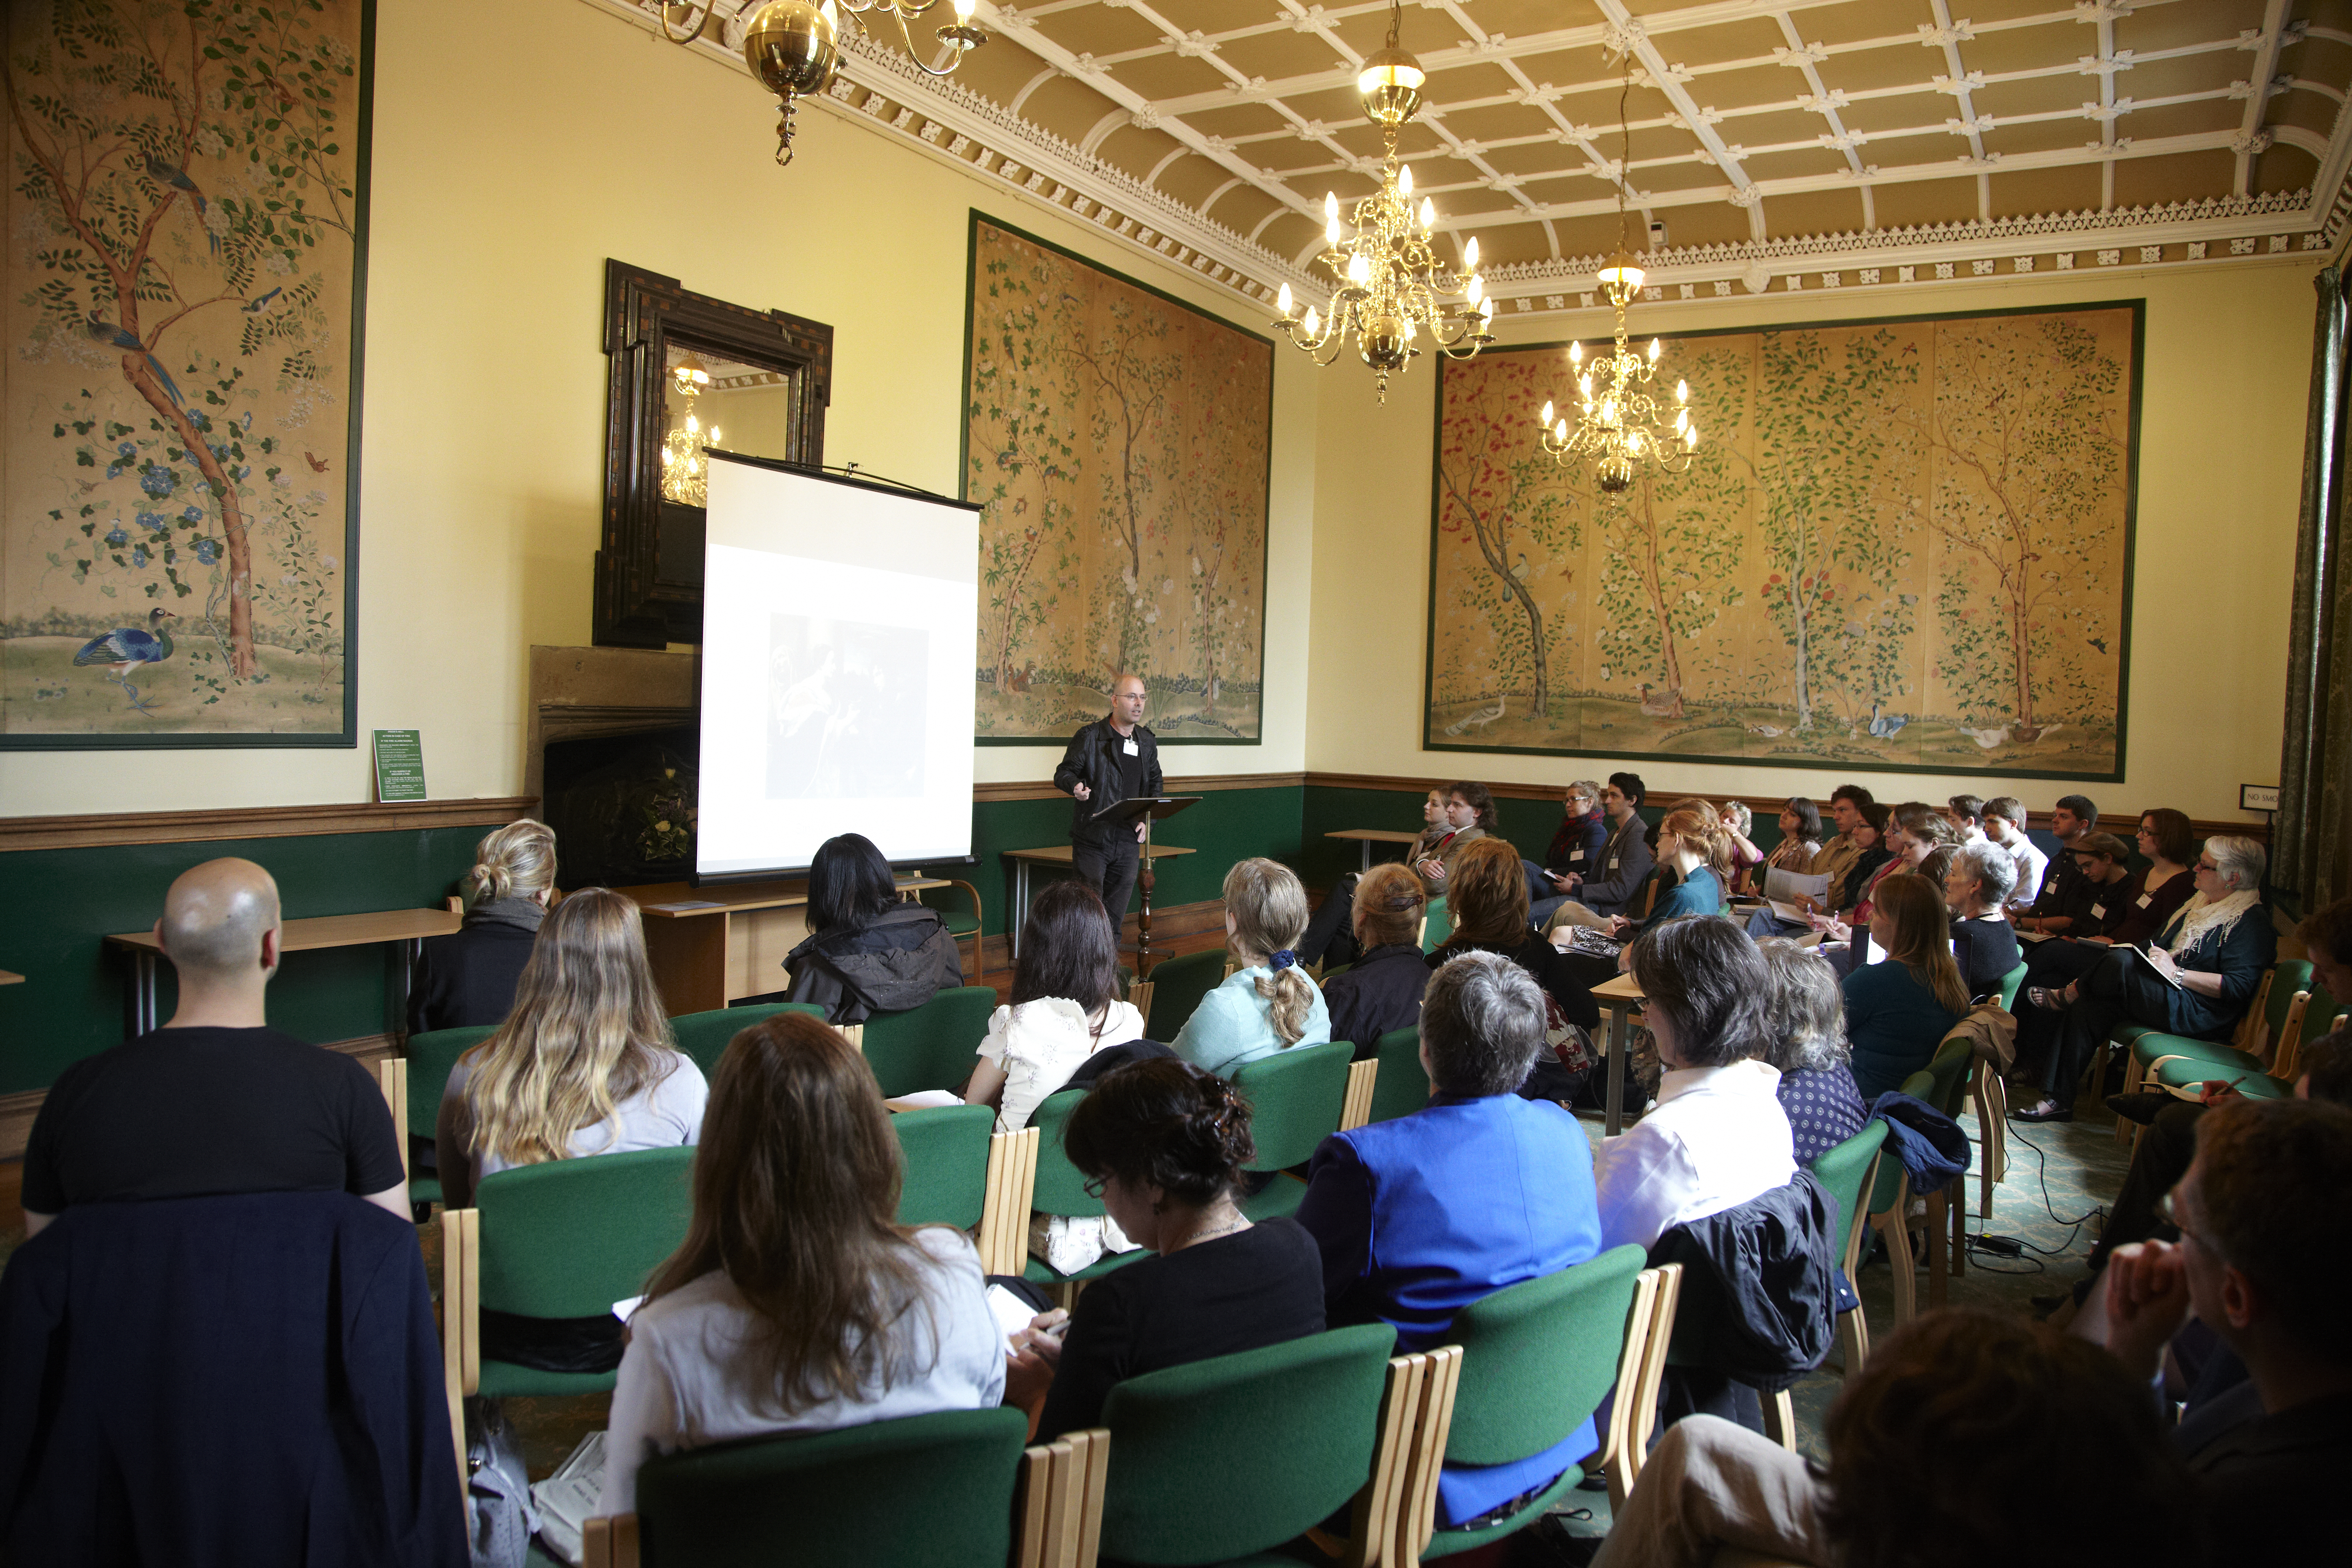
<point x="2208" y="866"/>
<point x="1093" y="1186"/>
<point x="2170" y="1209"/>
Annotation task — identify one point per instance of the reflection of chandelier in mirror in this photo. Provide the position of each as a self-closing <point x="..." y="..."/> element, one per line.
<point x="1618" y="423"/>
<point x="1390" y="276"/>
<point x="792" y="45"/>
<point x="683" y="479"/>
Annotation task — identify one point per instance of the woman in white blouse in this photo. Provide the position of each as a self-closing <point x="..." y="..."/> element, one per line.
<point x="1067" y="1005"/>
<point x="798" y="1303"/>
<point x="1719" y="1136"/>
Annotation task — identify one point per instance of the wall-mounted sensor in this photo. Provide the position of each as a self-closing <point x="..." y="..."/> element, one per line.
<point x="1658" y="236"/>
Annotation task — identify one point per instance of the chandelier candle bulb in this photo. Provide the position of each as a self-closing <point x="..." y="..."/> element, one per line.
<point x="1470" y="255"/>
<point x="1475" y="288"/>
<point x="1576" y="354"/>
<point x="1653" y="351"/>
<point x="1405" y="181"/>
<point x="1313" y="326"/>
<point x="1428" y="214"/>
<point x="1682" y="392"/>
<point x="1281" y="301"/>
<point x="1546" y="417"/>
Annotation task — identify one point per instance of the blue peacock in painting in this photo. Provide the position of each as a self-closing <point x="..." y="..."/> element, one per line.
<point x="127" y="649"/>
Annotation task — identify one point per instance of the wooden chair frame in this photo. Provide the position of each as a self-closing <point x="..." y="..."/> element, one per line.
<point x="1356" y="1104"/>
<point x="1641" y="1367"/>
<point x="1853" y="1328"/>
<point x="392" y="1078"/>
<point x="461" y="1319"/>
<point x="1058" y="1506"/>
<point x="1138" y="996"/>
<point x="1003" y="1239"/>
<point x="1895" y="1225"/>
<point x="1991" y="1092"/>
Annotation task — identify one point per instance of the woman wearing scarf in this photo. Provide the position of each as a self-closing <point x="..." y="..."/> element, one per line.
<point x="2197" y="978"/>
<point x="469" y="978"/>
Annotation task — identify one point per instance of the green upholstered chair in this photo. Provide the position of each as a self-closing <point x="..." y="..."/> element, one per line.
<point x="703" y="1037"/>
<point x="2009" y="984"/>
<point x="844" y="1497"/>
<point x="1177" y="986"/>
<point x="565" y="1239"/>
<point x="1296" y="1097"/>
<point x="431" y="1055"/>
<point x="1061" y="1190"/>
<point x="1437" y="925"/>
<point x="1224" y="1460"/>
<point x="2178" y="1061"/>
<point x="931" y="1046"/>
<point x="1402" y="1086"/>
<point x="945" y="1150"/>
<point x="2143" y="1043"/>
<point x="1538" y="1359"/>
<point x="1847" y="1173"/>
<point x="2284" y="1023"/>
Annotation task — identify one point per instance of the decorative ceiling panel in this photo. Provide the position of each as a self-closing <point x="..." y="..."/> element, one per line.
<point x="1838" y="136"/>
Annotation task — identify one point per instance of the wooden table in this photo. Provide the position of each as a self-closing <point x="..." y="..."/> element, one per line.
<point x="9" y="977"/>
<point x="708" y="946"/>
<point x="1618" y="998"/>
<point x="408" y="928"/>
<point x="1059" y="855"/>
<point x="1368" y="837"/>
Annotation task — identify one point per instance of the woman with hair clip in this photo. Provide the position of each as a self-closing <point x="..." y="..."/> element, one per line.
<point x="1382" y="990"/>
<point x="1165" y="1143"/>
<point x="467" y="979"/>
<point x="584" y="1064"/>
<point x="1898" y="1010"/>
<point x="869" y="951"/>
<point x="1489" y="906"/>
<point x="1066" y="1004"/>
<point x="797" y="1302"/>
<point x="1267" y="1004"/>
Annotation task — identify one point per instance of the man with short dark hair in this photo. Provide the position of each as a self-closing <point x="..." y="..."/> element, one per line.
<point x="2004" y="822"/>
<point x="1111" y="760"/>
<point x="215" y="1101"/>
<point x="1966" y="814"/>
<point x="1833" y="860"/>
<point x="1625" y="859"/>
<point x="2060" y="902"/>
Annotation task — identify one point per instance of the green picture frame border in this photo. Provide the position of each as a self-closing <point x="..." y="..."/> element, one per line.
<point x="2138" y="308"/>
<point x="348" y="737"/>
<point x="964" y="447"/>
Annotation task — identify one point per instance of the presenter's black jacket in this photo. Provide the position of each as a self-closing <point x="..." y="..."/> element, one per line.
<point x="234" y="1380"/>
<point x="1093" y="760"/>
<point x="892" y="963"/>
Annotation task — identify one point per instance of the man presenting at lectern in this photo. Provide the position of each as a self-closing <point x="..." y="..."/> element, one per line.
<point x="1113" y="759"/>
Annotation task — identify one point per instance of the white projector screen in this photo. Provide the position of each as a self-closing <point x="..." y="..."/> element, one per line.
<point x="838" y="620"/>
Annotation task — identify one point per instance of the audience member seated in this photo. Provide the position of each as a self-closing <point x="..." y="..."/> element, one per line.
<point x="1966" y="814"/>
<point x="2154" y="894"/>
<point x="2061" y="906"/>
<point x="1738" y="823"/>
<point x="2094" y="901"/>
<point x="1382" y="991"/>
<point x="1167" y="1143"/>
<point x="1914" y="835"/>
<point x="1808" y="1025"/>
<point x="1849" y="803"/>
<point x="2097" y="901"/>
<point x="1968" y="1438"/>
<point x="2004" y="824"/>
<point x="216" y="1102"/>
<point x="1718" y="1136"/>
<point x="467" y="979"/>
<point x="584" y="1065"/>
<point x="1330" y="937"/>
<point x="1067" y="1004"/>
<point x="1623" y="866"/>
<point x="1898" y="1009"/>
<point x="2323" y="1072"/>
<point x="1871" y="854"/>
<point x="1268" y="1004"/>
<point x="1800" y="835"/>
<point x="1420" y="1217"/>
<point x="867" y="951"/>
<point x="1975" y="888"/>
<point x="2198" y="978"/>
<point x="2265" y="1260"/>
<point x="1469" y="817"/>
<point x="1583" y="832"/>
<point x="798" y="1303"/>
<point x="1489" y="909"/>
<point x="1695" y="847"/>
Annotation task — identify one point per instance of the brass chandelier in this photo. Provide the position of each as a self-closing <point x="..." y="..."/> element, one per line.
<point x="1619" y="426"/>
<point x="794" y="46"/>
<point x="1390" y="277"/>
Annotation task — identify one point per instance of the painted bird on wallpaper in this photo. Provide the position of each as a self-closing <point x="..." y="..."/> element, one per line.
<point x="105" y="332"/>
<point x="129" y="649"/>
<point x="1885" y="726"/>
<point x="254" y="306"/>
<point x="177" y="178"/>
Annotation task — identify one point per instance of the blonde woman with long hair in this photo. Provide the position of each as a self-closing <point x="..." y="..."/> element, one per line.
<point x="469" y="978"/>
<point x="1899" y="1009"/>
<point x="1267" y="1004"/>
<point x="584" y="1065"/>
<point x="1693" y="841"/>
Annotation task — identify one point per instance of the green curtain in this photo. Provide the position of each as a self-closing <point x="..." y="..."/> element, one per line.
<point x="2308" y="833"/>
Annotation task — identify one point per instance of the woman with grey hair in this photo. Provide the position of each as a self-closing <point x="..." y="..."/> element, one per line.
<point x="2197" y="978"/>
<point x="1976" y="885"/>
<point x="1808" y="1023"/>
<point x="1420" y="1217"/>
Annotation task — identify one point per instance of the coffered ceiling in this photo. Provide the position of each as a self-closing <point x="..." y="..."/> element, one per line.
<point x="1780" y="144"/>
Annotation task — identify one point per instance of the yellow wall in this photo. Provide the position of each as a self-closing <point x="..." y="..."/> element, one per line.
<point x="2228" y="354"/>
<point x="508" y="165"/>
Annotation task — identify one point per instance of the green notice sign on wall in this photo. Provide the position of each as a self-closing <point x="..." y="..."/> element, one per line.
<point x="399" y="765"/>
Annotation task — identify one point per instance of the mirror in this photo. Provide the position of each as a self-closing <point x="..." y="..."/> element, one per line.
<point x="682" y="364"/>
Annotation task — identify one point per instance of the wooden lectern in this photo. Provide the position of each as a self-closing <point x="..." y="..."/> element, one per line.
<point x="1148" y="809"/>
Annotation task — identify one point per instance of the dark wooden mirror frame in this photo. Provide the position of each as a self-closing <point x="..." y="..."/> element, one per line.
<point x="649" y="566"/>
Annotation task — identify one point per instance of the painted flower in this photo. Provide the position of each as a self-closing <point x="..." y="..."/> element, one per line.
<point x="193" y="513"/>
<point x="207" y="550"/>
<point x="157" y="479"/>
<point x="124" y="449"/>
<point x="138" y="555"/>
<point x="155" y="520"/>
<point x="329" y="562"/>
<point x="116" y="538"/>
<point x="113" y="470"/>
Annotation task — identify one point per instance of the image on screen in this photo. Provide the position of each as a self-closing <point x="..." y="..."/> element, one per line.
<point x="845" y="708"/>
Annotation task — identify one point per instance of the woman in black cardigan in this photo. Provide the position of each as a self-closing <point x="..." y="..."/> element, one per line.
<point x="469" y="978"/>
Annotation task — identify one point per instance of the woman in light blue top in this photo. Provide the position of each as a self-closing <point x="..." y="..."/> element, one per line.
<point x="1268" y="1005"/>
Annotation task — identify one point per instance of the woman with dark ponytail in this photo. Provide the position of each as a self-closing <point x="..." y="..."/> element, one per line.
<point x="1165" y="1142"/>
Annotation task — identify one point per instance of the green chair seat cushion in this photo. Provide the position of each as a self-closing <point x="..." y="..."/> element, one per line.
<point x="2237" y="1065"/>
<point x="568" y="1238"/>
<point x="1296" y="1097"/>
<point x="1279" y="1200"/>
<point x="958" y="923"/>
<point x="1038" y="1272"/>
<point x="1449" y="1543"/>
<point x="2267" y="1088"/>
<point x="425" y="1189"/>
<point x="504" y="1379"/>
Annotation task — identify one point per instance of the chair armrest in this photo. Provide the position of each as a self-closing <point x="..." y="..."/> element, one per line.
<point x="461" y="1319"/>
<point x="1641" y="1365"/>
<point x="609" y="1542"/>
<point x="855" y="1034"/>
<point x="1421" y="1452"/>
<point x="1004" y="1208"/>
<point x="1356" y="1105"/>
<point x="1057" y="1500"/>
<point x="392" y="1078"/>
